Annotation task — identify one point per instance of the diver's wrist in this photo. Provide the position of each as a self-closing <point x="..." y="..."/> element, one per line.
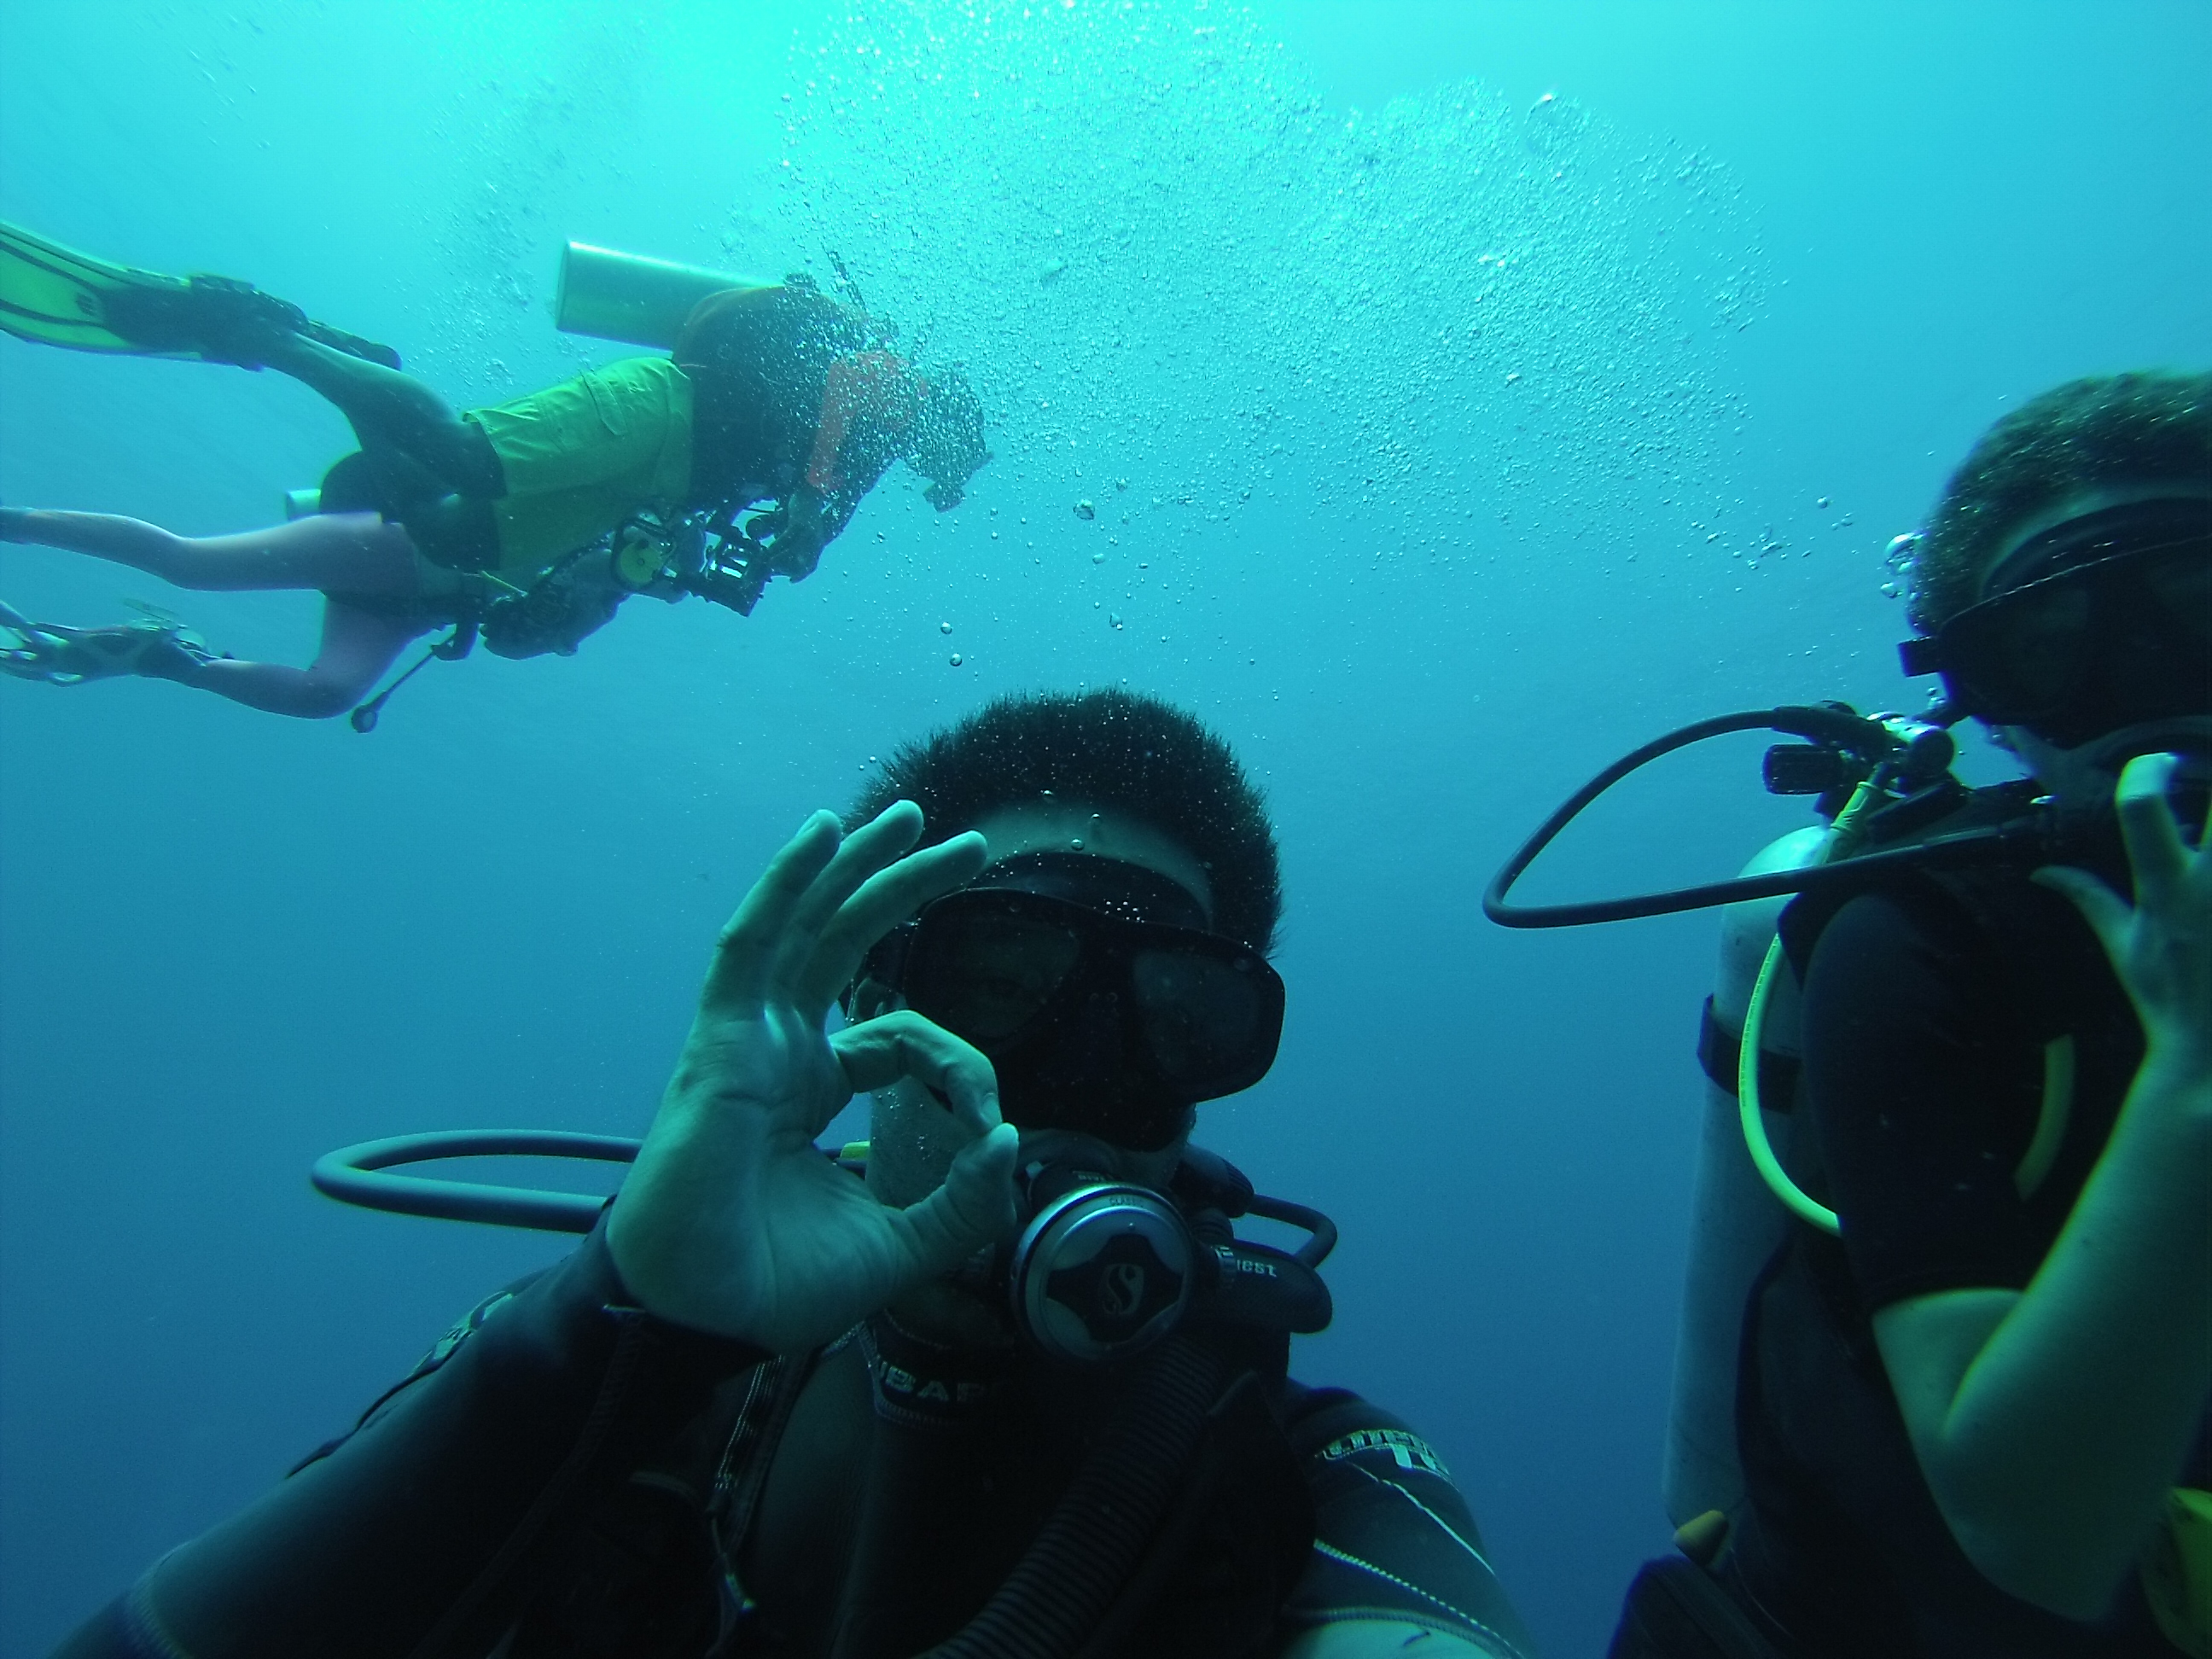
<point x="2172" y="1090"/>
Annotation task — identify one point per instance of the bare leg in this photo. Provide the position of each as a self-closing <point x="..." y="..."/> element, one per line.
<point x="392" y="410"/>
<point x="435" y="471"/>
<point x="341" y="552"/>
<point x="358" y="646"/>
<point x="355" y="553"/>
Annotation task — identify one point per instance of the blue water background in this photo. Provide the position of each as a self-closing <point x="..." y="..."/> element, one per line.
<point x="1470" y="437"/>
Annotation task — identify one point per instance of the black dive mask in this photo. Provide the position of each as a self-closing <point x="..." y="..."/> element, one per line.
<point x="1103" y="1005"/>
<point x="2104" y="621"/>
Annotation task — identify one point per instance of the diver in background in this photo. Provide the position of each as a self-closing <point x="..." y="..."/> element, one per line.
<point x="776" y="401"/>
<point x="1975" y="1423"/>
<point x="768" y="1409"/>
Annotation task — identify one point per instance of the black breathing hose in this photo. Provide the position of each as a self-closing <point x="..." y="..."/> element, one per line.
<point x="1866" y="738"/>
<point x="1315" y="1250"/>
<point x="359" y="1176"/>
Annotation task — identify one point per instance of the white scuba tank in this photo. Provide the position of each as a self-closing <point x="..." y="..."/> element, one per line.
<point x="1736" y="1222"/>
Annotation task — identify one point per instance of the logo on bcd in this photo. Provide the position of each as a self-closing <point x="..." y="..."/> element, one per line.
<point x="1408" y="1450"/>
<point x="1122" y="1289"/>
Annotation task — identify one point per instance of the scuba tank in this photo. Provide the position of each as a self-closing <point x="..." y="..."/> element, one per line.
<point x="630" y="298"/>
<point x="1735" y="1222"/>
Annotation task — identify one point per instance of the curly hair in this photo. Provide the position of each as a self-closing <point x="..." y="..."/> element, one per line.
<point x="1104" y="749"/>
<point x="2101" y="430"/>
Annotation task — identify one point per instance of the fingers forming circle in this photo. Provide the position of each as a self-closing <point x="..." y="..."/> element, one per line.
<point x="878" y="1052"/>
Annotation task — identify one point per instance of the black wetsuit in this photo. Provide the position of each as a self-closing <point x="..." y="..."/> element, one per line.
<point x="1927" y="1009"/>
<point x="565" y="1475"/>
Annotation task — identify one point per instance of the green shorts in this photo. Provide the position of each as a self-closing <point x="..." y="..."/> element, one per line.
<point x="581" y="458"/>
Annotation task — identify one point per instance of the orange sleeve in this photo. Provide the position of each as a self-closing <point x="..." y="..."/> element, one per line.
<point x="870" y="390"/>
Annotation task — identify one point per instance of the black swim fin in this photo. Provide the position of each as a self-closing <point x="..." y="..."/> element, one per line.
<point x="57" y="296"/>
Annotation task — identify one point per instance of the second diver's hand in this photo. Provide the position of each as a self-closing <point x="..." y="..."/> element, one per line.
<point x="733" y="1221"/>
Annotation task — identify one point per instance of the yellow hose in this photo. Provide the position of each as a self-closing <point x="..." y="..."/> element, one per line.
<point x="1746" y="1094"/>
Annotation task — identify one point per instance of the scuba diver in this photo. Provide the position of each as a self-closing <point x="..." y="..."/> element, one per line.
<point x="1946" y="1393"/>
<point x="736" y="457"/>
<point x="1015" y="1388"/>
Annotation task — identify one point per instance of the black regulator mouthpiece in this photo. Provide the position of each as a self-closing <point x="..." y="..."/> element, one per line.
<point x="1104" y="1268"/>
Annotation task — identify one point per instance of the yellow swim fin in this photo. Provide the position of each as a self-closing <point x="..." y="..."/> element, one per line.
<point x="55" y="295"/>
<point x="59" y="297"/>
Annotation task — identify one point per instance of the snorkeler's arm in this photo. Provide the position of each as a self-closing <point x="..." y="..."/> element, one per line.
<point x="867" y="398"/>
<point x="1398" y="1563"/>
<point x="2050" y="1422"/>
<point x="429" y="1528"/>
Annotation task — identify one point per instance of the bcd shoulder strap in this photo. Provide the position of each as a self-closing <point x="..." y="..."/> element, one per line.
<point x="2013" y="931"/>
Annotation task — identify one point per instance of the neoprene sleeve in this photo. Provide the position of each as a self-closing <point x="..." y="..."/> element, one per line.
<point x="424" y="1531"/>
<point x="1393" y="1537"/>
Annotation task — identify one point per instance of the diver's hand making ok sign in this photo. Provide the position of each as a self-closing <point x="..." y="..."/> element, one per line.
<point x="2161" y="946"/>
<point x="731" y="1221"/>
